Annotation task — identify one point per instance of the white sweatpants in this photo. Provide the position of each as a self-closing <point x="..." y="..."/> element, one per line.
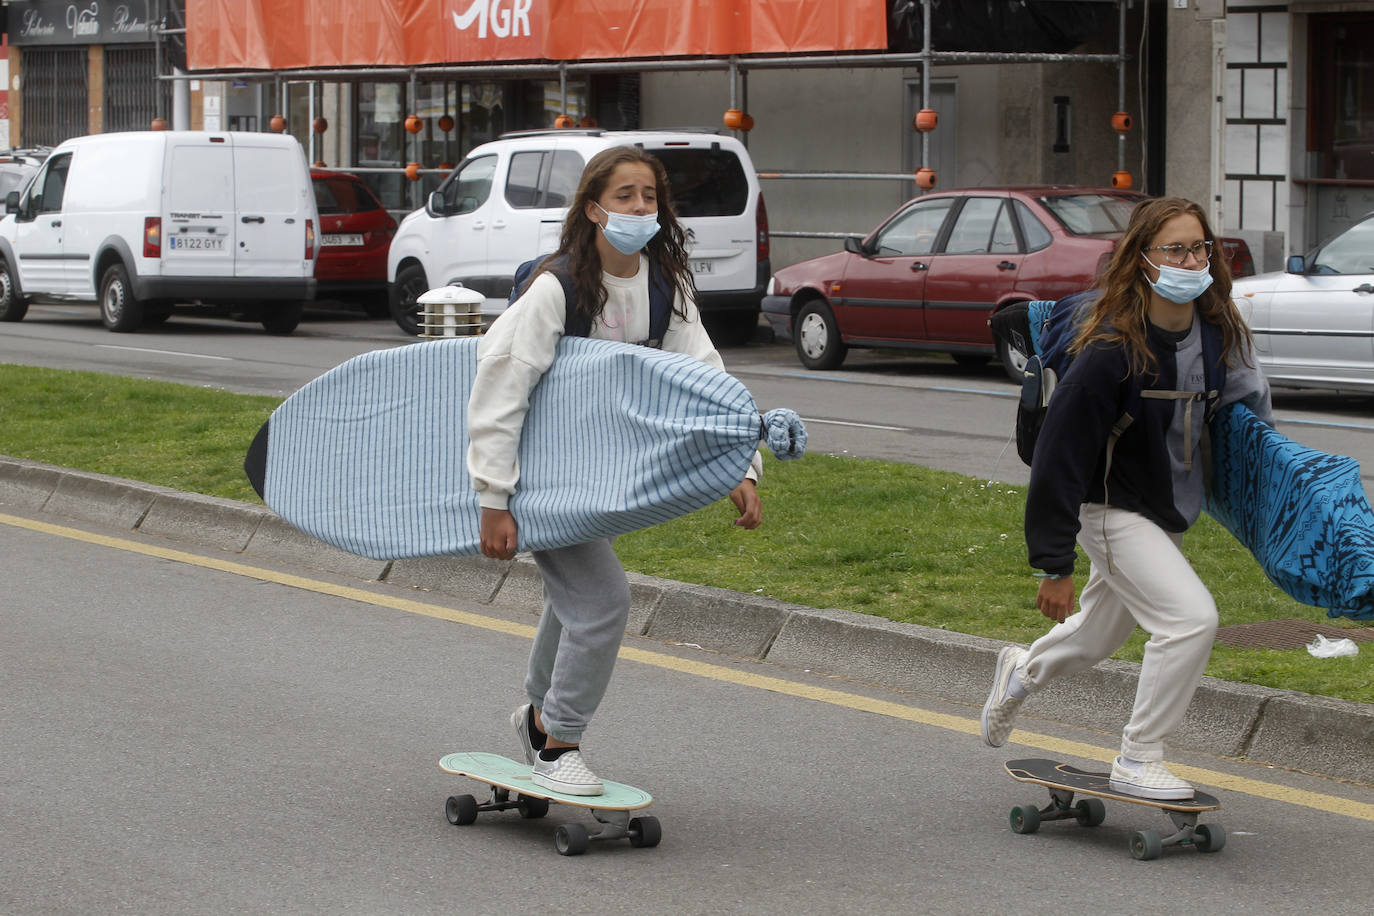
<point x="1148" y="582"/>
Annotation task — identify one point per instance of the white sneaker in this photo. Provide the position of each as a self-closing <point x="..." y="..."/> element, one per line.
<point x="520" y="721"/>
<point x="568" y="774"/>
<point x="999" y="712"/>
<point x="1150" y="779"/>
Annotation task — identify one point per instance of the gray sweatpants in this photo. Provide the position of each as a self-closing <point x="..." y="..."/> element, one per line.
<point x="586" y="605"/>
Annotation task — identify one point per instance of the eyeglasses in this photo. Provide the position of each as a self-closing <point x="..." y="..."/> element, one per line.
<point x="1177" y="254"/>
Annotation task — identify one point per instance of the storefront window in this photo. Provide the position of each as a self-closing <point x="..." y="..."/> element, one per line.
<point x="381" y="140"/>
<point x="1343" y="94"/>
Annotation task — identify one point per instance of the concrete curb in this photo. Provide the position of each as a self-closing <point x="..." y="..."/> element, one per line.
<point x="1293" y="730"/>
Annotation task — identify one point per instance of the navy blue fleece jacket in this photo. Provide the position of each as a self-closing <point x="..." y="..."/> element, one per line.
<point x="1156" y="467"/>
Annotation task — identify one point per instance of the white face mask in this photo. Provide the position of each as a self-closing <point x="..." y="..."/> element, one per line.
<point x="1178" y="284"/>
<point x="626" y="232"/>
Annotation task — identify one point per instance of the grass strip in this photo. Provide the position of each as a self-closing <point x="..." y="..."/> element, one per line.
<point x="893" y="540"/>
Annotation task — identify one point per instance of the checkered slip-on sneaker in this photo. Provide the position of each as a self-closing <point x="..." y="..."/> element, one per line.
<point x="1150" y="779"/>
<point x="999" y="712"/>
<point x="568" y="774"/>
<point x="520" y="721"/>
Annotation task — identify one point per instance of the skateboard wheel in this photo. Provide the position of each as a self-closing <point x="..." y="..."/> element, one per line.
<point x="570" y="839"/>
<point x="1025" y="819"/>
<point x="1209" y="837"/>
<point x="1145" y="845"/>
<point x="532" y="807"/>
<point x="461" y="810"/>
<point x="645" y="831"/>
<point x="1089" y="812"/>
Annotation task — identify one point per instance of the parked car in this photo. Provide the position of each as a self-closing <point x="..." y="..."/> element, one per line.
<point x="355" y="235"/>
<point x="1313" y="323"/>
<point x="930" y="276"/>
<point x="505" y="204"/>
<point x="17" y="166"/>
<point x="139" y="222"/>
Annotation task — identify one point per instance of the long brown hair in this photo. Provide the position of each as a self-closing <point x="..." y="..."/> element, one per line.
<point x="667" y="248"/>
<point x="1119" y="315"/>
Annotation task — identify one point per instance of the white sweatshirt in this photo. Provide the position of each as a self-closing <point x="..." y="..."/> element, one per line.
<point x="518" y="349"/>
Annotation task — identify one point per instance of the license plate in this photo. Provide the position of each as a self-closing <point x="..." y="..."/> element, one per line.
<point x="195" y="243"/>
<point x="703" y="267"/>
<point x="353" y="238"/>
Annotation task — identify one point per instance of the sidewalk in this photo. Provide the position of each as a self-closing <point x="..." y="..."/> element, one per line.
<point x="1292" y="730"/>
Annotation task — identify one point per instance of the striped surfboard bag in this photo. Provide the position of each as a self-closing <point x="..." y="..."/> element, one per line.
<point x="371" y="456"/>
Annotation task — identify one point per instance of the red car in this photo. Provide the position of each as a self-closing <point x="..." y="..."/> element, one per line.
<point x="930" y="276"/>
<point x="355" y="234"/>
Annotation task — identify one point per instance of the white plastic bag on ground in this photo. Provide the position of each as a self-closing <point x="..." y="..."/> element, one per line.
<point x="1321" y="647"/>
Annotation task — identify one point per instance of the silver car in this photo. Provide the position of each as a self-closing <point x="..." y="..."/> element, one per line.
<point x="1314" y="322"/>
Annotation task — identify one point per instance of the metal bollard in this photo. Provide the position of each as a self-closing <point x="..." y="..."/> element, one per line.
<point x="451" y="311"/>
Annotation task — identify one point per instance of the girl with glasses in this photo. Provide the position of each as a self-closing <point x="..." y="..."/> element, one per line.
<point x="1161" y="328"/>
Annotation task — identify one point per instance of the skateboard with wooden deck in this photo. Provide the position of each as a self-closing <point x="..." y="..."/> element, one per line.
<point x="1063" y="781"/>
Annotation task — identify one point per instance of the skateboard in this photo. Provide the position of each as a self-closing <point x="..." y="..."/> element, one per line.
<point x="1063" y="781"/>
<point x="509" y="778"/>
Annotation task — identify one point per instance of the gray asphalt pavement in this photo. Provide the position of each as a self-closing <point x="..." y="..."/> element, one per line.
<point x="201" y="720"/>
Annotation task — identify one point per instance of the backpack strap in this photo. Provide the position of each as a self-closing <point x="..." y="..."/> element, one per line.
<point x="577" y="324"/>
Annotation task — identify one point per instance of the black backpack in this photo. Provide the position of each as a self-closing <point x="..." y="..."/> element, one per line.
<point x="1044" y="330"/>
<point x="577" y="324"/>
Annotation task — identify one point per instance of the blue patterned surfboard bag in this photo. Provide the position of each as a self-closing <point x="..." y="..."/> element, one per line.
<point x="372" y="456"/>
<point x="1301" y="512"/>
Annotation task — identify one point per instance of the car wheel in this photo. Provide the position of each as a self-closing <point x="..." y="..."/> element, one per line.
<point x="281" y="318"/>
<point x="405" y="294"/>
<point x="119" y="310"/>
<point x="12" y="308"/>
<point x="817" y="337"/>
<point x="1013" y="361"/>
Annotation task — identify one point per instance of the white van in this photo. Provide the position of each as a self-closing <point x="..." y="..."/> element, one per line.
<point x="506" y="200"/>
<point x="140" y="222"/>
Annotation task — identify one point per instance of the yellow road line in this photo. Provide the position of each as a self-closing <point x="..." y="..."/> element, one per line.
<point x="1301" y="797"/>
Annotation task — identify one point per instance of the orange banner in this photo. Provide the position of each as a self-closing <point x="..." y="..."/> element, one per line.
<point x="291" y="34"/>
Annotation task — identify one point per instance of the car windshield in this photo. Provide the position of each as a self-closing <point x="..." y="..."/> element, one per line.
<point x="343" y="195"/>
<point x="705" y="182"/>
<point x="1351" y="252"/>
<point x="1090" y="214"/>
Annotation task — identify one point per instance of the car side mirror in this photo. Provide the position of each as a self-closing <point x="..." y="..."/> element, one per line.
<point x="12" y="202"/>
<point x="855" y="245"/>
<point x="436" y="203"/>
<point x="1296" y="264"/>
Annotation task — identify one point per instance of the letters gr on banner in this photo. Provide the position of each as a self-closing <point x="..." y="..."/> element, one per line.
<point x="505" y="18"/>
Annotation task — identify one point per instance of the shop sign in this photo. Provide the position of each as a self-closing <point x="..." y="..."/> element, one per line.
<point x="79" y="22"/>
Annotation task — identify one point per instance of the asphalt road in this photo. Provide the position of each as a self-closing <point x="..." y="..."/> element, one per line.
<point x="922" y="409"/>
<point x="181" y="732"/>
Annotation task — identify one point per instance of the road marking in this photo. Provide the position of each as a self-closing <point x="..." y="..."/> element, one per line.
<point x="1258" y="788"/>
<point x="226" y="359"/>
<point x="899" y="429"/>
<point x="1362" y="427"/>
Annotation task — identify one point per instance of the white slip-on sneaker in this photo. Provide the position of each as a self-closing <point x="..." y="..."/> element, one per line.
<point x="520" y="721"/>
<point x="999" y="712"/>
<point x="568" y="774"/>
<point x="1150" y="779"/>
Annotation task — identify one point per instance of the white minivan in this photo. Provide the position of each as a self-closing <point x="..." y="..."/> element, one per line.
<point x="140" y="222"/>
<point x="506" y="200"/>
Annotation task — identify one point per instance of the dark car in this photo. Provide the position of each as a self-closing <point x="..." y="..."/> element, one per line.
<point x="930" y="276"/>
<point x="355" y="234"/>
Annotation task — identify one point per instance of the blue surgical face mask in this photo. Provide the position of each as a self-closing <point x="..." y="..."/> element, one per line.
<point x="1178" y="284"/>
<point x="626" y="232"/>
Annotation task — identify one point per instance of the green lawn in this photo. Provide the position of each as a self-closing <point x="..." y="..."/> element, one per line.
<point x="893" y="540"/>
